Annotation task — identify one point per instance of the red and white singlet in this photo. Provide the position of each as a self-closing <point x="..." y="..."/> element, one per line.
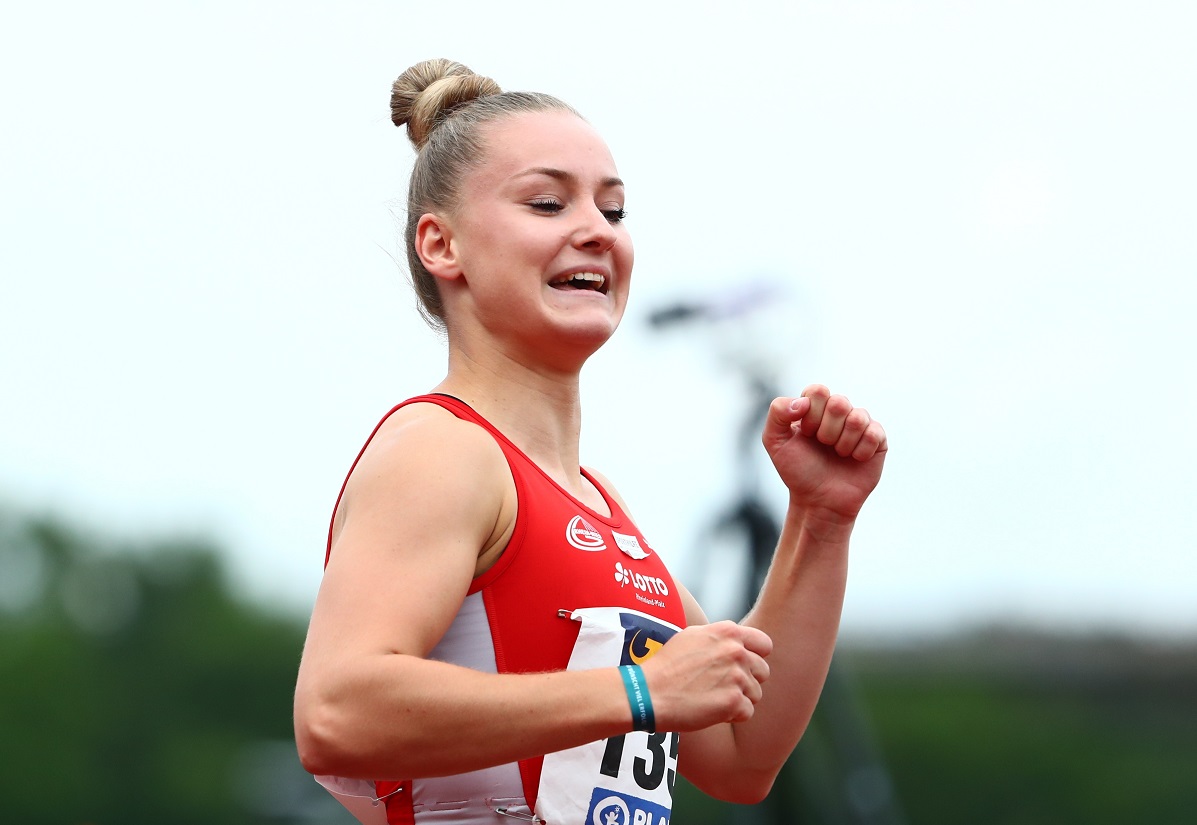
<point x="573" y="589"/>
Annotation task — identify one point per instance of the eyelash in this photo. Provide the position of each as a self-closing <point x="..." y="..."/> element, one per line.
<point x="552" y="207"/>
<point x="546" y="205"/>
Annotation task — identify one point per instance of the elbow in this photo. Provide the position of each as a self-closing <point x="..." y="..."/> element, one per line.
<point x="328" y="737"/>
<point x="317" y="741"/>
<point x="745" y="787"/>
<point x="333" y="739"/>
<point x="750" y="791"/>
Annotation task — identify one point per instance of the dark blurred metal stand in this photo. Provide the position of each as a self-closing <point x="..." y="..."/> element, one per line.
<point x="836" y="775"/>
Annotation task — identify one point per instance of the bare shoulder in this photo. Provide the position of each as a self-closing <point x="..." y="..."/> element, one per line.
<point x="424" y="451"/>
<point x="427" y="433"/>
<point x="429" y="497"/>
<point x="430" y="490"/>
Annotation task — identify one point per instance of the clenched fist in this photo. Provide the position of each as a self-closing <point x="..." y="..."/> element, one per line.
<point x="828" y="452"/>
<point x="708" y="674"/>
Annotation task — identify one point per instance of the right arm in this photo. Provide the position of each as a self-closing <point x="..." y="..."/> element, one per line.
<point x="426" y="500"/>
<point x="430" y="498"/>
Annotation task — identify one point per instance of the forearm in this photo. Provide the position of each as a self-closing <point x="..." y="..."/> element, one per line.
<point x="395" y="716"/>
<point x="829" y="454"/>
<point x="799" y="607"/>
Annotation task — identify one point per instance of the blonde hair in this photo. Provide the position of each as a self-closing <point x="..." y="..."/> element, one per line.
<point x="445" y="106"/>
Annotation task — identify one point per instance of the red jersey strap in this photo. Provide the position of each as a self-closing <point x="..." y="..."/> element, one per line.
<point x="465" y="412"/>
<point x="345" y="483"/>
<point x="434" y="398"/>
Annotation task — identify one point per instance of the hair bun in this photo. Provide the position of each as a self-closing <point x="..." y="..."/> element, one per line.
<point x="426" y="93"/>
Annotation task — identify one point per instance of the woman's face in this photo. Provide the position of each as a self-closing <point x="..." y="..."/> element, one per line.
<point x="544" y="257"/>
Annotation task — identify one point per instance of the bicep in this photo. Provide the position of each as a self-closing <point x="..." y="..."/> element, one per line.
<point x="417" y="512"/>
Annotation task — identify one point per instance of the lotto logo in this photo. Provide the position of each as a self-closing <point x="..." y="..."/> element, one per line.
<point x="646" y="584"/>
<point x="622" y="575"/>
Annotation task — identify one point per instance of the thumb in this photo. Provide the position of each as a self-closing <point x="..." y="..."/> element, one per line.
<point x="783" y="413"/>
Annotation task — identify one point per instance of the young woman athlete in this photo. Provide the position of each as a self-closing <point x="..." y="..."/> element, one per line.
<point x="494" y="638"/>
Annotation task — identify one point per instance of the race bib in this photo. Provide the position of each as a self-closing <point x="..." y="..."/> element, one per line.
<point x="627" y="779"/>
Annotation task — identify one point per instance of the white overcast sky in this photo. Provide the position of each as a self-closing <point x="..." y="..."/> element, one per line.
<point x="979" y="219"/>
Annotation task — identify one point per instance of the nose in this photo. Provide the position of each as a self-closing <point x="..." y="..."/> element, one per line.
<point x="594" y="232"/>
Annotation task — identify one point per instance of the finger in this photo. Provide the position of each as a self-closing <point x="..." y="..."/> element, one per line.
<point x="835" y="413"/>
<point x="758" y="668"/>
<point x="872" y="441"/>
<point x="753" y="691"/>
<point x="818" y="395"/>
<point x="755" y="640"/>
<point x="744" y="710"/>
<point x="855" y="425"/>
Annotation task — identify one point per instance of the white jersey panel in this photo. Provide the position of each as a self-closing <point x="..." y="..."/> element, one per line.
<point x="464" y="799"/>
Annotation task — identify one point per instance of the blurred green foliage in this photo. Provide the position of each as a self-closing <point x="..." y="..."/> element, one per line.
<point x="136" y="687"/>
<point x="994" y="727"/>
<point x="133" y="686"/>
<point x="1031" y="729"/>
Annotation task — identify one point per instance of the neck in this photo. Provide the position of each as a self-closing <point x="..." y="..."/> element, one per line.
<point x="537" y="407"/>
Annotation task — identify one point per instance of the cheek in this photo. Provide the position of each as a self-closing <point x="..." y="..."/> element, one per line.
<point x="626" y="255"/>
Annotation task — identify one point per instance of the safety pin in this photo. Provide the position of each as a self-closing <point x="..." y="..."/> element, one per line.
<point x="503" y="810"/>
<point x="376" y="800"/>
<point x="566" y="613"/>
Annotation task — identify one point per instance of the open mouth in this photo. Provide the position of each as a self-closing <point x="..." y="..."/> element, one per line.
<point x="589" y="281"/>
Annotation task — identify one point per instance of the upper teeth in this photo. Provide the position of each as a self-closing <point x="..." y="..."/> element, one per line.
<point x="593" y="277"/>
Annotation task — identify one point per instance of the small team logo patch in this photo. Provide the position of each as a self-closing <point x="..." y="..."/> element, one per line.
<point x="608" y="807"/>
<point x="610" y="810"/>
<point x="581" y="534"/>
<point x="630" y="545"/>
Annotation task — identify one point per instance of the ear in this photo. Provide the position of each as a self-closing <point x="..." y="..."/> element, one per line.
<point x="436" y="248"/>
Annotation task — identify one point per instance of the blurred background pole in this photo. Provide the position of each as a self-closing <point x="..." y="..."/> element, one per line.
<point x="836" y="775"/>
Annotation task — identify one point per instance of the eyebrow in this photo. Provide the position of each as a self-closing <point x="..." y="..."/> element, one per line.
<point x="562" y="175"/>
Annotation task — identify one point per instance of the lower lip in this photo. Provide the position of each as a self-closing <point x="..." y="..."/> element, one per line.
<point x="576" y="291"/>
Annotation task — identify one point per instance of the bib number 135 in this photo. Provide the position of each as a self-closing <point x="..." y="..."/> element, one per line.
<point x="651" y="765"/>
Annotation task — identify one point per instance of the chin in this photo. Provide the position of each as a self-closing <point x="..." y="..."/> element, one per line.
<point x="582" y="339"/>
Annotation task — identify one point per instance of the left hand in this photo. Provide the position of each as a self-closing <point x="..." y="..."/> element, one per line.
<point x="828" y="453"/>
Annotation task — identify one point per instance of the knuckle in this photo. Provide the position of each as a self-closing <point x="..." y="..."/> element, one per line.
<point x="858" y="419"/>
<point x="839" y="405"/>
<point x="717" y="630"/>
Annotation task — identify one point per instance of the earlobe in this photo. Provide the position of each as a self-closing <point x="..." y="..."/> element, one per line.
<point x="434" y="244"/>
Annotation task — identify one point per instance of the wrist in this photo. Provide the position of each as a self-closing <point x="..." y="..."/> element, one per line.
<point x="818" y="523"/>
